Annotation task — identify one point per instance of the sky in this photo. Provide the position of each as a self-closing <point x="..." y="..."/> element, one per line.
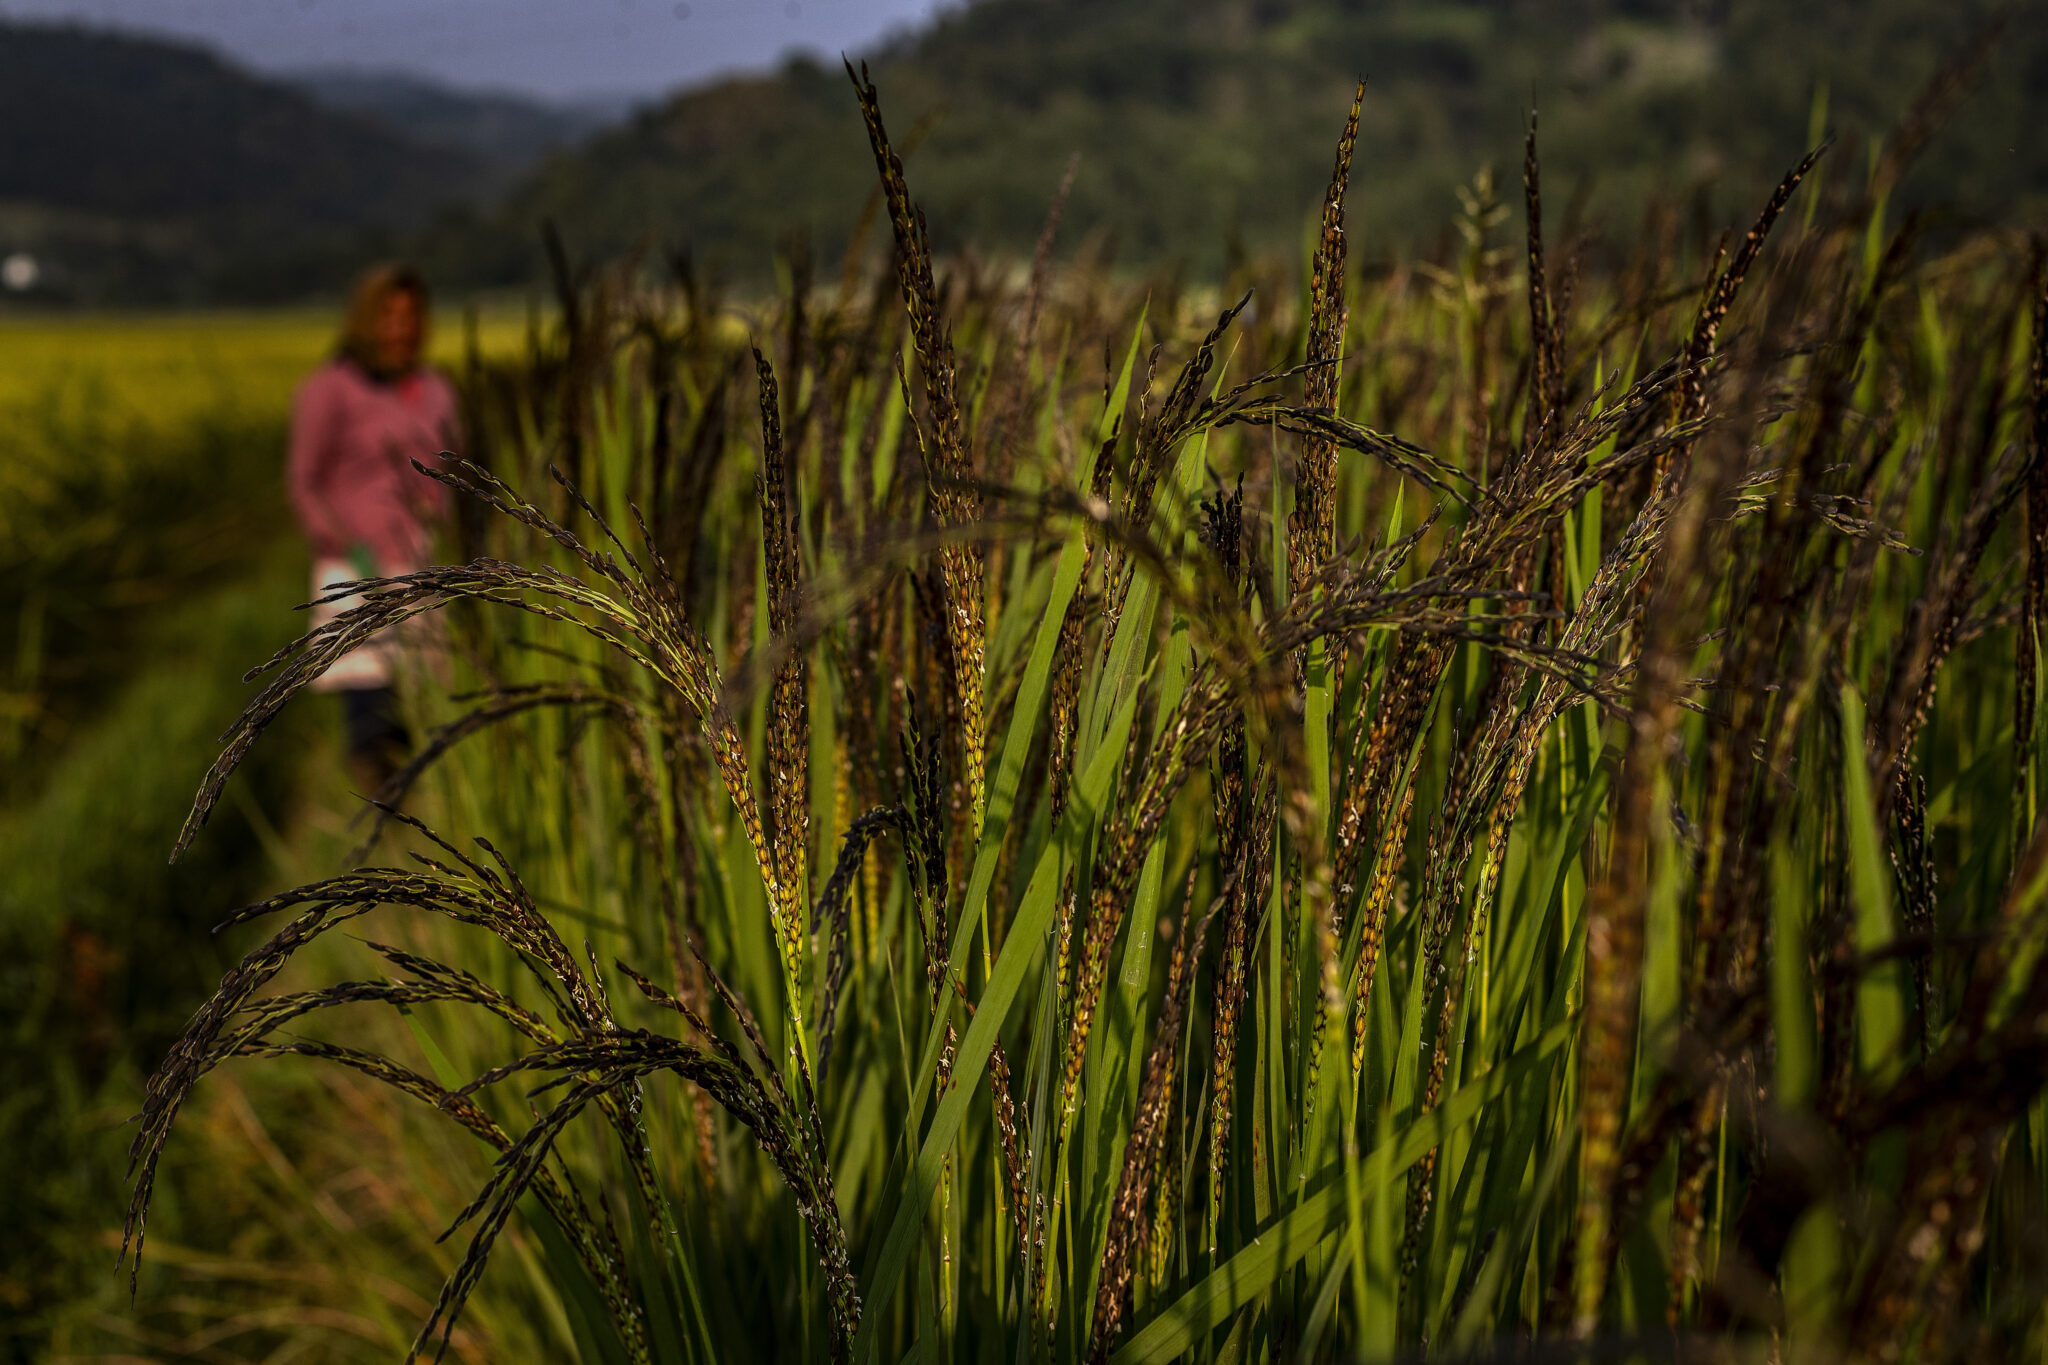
<point x="556" y="49"/>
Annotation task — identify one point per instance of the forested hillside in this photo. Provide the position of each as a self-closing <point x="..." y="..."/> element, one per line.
<point x="146" y="171"/>
<point x="1201" y="123"/>
<point x="507" y="133"/>
<point x="143" y="169"/>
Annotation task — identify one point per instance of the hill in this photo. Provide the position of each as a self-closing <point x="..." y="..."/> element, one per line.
<point x="137" y="170"/>
<point x="507" y="134"/>
<point x="1207" y="123"/>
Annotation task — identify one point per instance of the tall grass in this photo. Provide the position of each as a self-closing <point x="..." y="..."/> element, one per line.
<point x="1481" y="805"/>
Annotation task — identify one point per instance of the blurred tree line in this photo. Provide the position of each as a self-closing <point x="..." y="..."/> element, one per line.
<point x="158" y="173"/>
<point x="1200" y="124"/>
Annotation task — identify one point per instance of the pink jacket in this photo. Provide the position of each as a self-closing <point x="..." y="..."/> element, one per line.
<point x="351" y="478"/>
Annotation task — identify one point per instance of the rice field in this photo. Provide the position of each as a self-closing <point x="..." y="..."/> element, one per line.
<point x="170" y="367"/>
<point x="143" y="453"/>
<point x="984" y="815"/>
<point x="144" y="549"/>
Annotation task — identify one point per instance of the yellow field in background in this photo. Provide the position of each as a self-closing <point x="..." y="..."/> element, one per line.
<point x="162" y="369"/>
<point x="97" y="409"/>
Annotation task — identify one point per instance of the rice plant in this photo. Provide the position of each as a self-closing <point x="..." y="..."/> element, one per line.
<point x="1451" y="808"/>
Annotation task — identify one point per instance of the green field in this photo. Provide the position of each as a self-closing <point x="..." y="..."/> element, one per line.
<point x="146" y="555"/>
<point x="1017" y="818"/>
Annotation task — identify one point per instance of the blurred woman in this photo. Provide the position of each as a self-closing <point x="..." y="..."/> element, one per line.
<point x="359" y="422"/>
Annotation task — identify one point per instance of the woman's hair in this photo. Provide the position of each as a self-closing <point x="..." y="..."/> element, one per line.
<point x="366" y="304"/>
